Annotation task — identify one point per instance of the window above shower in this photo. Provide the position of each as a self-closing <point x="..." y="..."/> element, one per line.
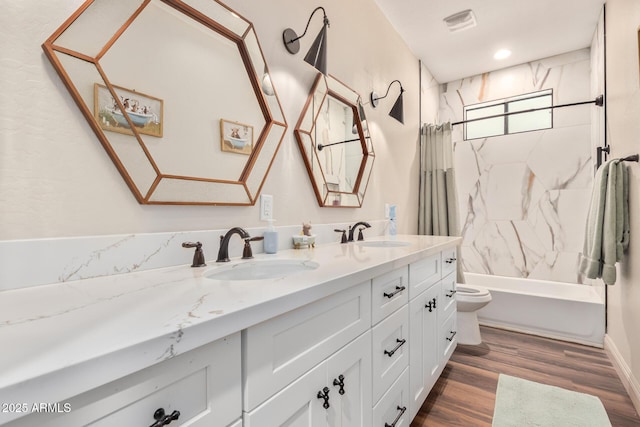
<point x="502" y="117"/>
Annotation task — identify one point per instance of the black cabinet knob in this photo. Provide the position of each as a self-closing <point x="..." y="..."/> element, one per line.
<point x="162" y="419"/>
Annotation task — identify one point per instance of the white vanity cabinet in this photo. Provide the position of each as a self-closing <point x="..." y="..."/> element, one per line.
<point x="359" y="342"/>
<point x="432" y="324"/>
<point x="203" y="385"/>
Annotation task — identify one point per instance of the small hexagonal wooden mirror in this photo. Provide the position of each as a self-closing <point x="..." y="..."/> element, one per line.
<point x="335" y="143"/>
<point x="178" y="93"/>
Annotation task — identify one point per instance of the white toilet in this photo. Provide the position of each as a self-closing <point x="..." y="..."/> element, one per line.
<point x="470" y="299"/>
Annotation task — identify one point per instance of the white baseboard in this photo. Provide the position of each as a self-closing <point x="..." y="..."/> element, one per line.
<point x="629" y="382"/>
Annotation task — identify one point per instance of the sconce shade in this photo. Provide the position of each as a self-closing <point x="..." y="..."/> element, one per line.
<point x="317" y="55"/>
<point x="397" y="111"/>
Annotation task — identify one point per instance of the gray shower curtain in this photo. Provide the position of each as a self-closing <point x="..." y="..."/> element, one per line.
<point x="438" y="201"/>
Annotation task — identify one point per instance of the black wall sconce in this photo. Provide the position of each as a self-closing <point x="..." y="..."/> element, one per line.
<point x="397" y="111"/>
<point x="317" y="55"/>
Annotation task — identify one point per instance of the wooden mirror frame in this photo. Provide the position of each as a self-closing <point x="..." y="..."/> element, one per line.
<point x="323" y="88"/>
<point x="162" y="187"/>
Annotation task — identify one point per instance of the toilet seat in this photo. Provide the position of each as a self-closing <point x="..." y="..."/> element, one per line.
<point x="470" y="291"/>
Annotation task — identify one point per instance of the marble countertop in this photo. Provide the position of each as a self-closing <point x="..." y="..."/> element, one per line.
<point x="63" y="339"/>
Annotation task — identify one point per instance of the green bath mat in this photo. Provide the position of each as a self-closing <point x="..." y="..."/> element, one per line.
<point x="522" y="403"/>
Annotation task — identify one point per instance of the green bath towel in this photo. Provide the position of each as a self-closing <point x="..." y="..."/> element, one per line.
<point x="607" y="232"/>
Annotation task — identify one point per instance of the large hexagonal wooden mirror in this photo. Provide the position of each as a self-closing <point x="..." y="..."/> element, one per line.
<point x="178" y="93"/>
<point x="335" y="143"/>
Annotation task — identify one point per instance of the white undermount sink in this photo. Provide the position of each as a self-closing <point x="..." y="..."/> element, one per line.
<point x="260" y="269"/>
<point x="383" y="243"/>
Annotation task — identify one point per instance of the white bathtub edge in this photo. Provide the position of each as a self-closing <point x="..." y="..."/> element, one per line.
<point x="629" y="382"/>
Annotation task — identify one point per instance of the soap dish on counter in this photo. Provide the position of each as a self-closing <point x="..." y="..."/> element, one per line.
<point x="302" y="241"/>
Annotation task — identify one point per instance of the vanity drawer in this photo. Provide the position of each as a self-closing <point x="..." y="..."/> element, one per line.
<point x="280" y="350"/>
<point x="202" y="384"/>
<point x="449" y="261"/>
<point x="423" y="274"/>
<point x="447" y="300"/>
<point x="448" y="337"/>
<point x="393" y="407"/>
<point x="389" y="292"/>
<point x="390" y="350"/>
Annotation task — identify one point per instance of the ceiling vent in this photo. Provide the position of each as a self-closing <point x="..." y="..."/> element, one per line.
<point x="460" y="21"/>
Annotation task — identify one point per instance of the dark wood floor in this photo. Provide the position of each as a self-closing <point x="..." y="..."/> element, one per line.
<point x="465" y="393"/>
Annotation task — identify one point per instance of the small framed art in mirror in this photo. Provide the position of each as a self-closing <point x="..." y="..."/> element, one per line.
<point x="173" y="89"/>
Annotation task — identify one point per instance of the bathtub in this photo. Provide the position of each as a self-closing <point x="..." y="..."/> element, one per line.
<point x="562" y="311"/>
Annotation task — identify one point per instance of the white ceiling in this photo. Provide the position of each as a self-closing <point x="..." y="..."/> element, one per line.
<point x="531" y="29"/>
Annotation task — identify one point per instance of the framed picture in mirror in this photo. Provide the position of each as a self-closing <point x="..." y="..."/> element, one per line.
<point x="236" y="137"/>
<point x="145" y="112"/>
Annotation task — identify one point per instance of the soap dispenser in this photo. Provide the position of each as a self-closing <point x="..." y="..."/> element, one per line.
<point x="393" y="226"/>
<point x="270" y="239"/>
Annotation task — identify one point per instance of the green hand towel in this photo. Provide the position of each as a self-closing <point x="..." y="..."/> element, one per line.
<point x="607" y="233"/>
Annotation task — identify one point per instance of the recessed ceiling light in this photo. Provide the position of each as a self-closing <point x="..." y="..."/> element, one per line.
<point x="502" y="54"/>
<point x="460" y="21"/>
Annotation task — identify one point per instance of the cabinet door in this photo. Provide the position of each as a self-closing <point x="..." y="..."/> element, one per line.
<point x="203" y="384"/>
<point x="279" y="350"/>
<point x="297" y="405"/>
<point x="390" y="350"/>
<point x="424" y="354"/>
<point x="349" y="372"/>
<point x="423" y="274"/>
<point x="392" y="409"/>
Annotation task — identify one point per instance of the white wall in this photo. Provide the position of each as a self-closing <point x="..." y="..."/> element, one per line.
<point x="623" y="135"/>
<point x="56" y="180"/>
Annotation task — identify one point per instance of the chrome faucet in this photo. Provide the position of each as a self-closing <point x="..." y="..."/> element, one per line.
<point x="223" y="252"/>
<point x="353" y="227"/>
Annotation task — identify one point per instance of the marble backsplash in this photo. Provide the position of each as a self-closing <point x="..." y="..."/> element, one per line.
<point x="524" y="197"/>
<point x="26" y="263"/>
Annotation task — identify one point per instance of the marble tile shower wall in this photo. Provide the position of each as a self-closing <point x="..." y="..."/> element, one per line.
<point x="523" y="198"/>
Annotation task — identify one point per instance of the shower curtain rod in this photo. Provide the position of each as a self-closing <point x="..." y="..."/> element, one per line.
<point x="599" y="101"/>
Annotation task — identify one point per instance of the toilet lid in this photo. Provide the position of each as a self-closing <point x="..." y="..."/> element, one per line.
<point x="471" y="291"/>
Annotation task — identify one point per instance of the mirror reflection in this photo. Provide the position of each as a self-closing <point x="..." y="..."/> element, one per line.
<point x="335" y="142"/>
<point x="178" y="93"/>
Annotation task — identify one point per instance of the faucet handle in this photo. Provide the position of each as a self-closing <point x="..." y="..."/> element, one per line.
<point x="344" y="235"/>
<point x="198" y="256"/>
<point x="360" y="236"/>
<point x="247" y="253"/>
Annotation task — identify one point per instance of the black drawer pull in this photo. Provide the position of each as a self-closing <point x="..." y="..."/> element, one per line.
<point x="324" y="396"/>
<point x="391" y="352"/>
<point x="450" y="260"/>
<point x="402" y="410"/>
<point x="451" y="293"/>
<point x="392" y="294"/>
<point x="453" y="334"/>
<point x="339" y="382"/>
<point x="431" y="305"/>
<point x="162" y="419"/>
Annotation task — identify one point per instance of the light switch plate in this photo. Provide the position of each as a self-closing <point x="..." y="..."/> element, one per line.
<point x="266" y="207"/>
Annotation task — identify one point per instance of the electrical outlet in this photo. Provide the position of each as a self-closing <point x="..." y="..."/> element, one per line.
<point x="266" y="207"/>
